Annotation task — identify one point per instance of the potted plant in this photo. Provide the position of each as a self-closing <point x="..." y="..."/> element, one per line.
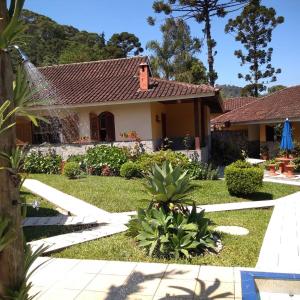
<point x="290" y="170"/>
<point x="272" y="166"/>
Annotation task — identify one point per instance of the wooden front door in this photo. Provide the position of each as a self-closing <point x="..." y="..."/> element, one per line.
<point x="107" y="127"/>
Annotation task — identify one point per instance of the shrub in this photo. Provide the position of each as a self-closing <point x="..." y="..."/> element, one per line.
<point x="147" y="160"/>
<point x="172" y="234"/>
<point x="72" y="170"/>
<point x="202" y="171"/>
<point x="100" y="156"/>
<point x="130" y="170"/>
<point x="48" y="163"/>
<point x="242" y="178"/>
<point x="296" y="162"/>
<point x="80" y="159"/>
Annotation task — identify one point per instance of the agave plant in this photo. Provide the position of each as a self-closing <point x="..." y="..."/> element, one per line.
<point x="172" y="234"/>
<point x="169" y="187"/>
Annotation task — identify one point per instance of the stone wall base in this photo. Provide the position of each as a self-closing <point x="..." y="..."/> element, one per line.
<point x="66" y="150"/>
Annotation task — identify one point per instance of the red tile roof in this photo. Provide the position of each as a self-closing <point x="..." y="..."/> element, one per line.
<point x="274" y="107"/>
<point x="114" y="80"/>
<point x="234" y="103"/>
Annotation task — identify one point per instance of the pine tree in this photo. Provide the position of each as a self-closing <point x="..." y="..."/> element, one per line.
<point x="175" y="57"/>
<point x="202" y="11"/>
<point x="254" y="28"/>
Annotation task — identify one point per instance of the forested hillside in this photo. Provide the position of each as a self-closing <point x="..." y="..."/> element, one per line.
<point x="230" y="91"/>
<point x="47" y="42"/>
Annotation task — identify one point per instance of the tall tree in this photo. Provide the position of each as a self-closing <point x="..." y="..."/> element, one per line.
<point x="276" y="88"/>
<point x="123" y="44"/>
<point x="12" y="256"/>
<point x="202" y="11"/>
<point x="254" y="28"/>
<point x="175" y="57"/>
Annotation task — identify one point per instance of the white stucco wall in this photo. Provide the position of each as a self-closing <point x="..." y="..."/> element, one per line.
<point x="129" y="117"/>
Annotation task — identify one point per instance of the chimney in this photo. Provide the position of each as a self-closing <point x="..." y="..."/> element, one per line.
<point x="144" y="76"/>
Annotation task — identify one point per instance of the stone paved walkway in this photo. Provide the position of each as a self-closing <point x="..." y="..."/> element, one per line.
<point x="281" y="246"/>
<point x="113" y="280"/>
<point x="77" y="237"/>
<point x="58" y="220"/>
<point x="73" y="205"/>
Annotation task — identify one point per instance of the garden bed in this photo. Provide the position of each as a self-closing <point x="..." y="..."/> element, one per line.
<point x="116" y="194"/>
<point x="237" y="251"/>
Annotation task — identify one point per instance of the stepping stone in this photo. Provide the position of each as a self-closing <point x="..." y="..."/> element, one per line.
<point x="233" y="230"/>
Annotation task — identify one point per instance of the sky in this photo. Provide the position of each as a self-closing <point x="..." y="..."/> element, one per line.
<point x="112" y="16"/>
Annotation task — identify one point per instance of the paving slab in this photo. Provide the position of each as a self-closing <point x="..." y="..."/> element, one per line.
<point x="281" y="244"/>
<point x="133" y="280"/>
<point x="59" y="220"/>
<point x="66" y="240"/>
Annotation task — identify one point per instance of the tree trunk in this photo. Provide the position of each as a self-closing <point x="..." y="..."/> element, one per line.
<point x="12" y="258"/>
<point x="210" y="46"/>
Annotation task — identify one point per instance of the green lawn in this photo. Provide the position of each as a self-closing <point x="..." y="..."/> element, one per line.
<point x="46" y="209"/>
<point x="116" y="194"/>
<point x="237" y="251"/>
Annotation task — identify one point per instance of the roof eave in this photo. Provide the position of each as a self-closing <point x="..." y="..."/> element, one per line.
<point x="123" y="102"/>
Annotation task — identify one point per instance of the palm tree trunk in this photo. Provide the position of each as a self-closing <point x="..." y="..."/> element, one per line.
<point x="12" y="258"/>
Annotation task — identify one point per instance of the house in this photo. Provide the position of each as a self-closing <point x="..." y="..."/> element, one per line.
<point x="259" y="119"/>
<point x="100" y="102"/>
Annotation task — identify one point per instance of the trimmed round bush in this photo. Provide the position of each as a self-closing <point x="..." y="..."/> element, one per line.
<point x="242" y="178"/>
<point x="130" y="170"/>
<point x="72" y="170"/>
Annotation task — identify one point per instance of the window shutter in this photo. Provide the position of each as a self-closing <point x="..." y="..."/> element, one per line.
<point x="110" y="127"/>
<point x="94" y="127"/>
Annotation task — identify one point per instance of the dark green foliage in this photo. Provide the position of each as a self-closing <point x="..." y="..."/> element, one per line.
<point x="169" y="187"/>
<point x="48" y="43"/>
<point x="103" y="157"/>
<point x="202" y="12"/>
<point x="276" y="88"/>
<point x="242" y="178"/>
<point x="230" y="91"/>
<point x="130" y="170"/>
<point x="172" y="234"/>
<point x="147" y="160"/>
<point x="174" y="57"/>
<point x="43" y="163"/>
<point x="296" y="162"/>
<point x="202" y="171"/>
<point x="253" y="28"/>
<point x="224" y="153"/>
<point x="72" y="170"/>
<point x="123" y="44"/>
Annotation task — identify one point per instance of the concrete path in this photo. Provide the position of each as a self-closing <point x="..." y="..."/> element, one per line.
<point x="113" y="280"/>
<point x="221" y="207"/>
<point x="58" y="220"/>
<point x="77" y="237"/>
<point x="281" y="180"/>
<point x="281" y="246"/>
<point x="68" y="203"/>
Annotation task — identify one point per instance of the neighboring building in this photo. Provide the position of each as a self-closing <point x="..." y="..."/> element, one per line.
<point x="107" y="98"/>
<point x="258" y="118"/>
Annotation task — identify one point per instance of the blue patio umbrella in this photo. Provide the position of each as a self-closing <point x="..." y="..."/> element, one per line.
<point x="286" y="137"/>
